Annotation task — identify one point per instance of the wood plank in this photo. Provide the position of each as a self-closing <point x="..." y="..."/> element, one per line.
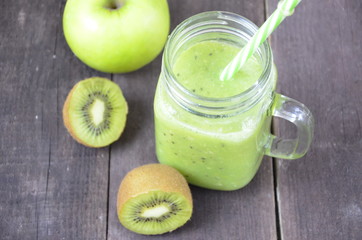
<point x="51" y="186"/>
<point x="26" y="53"/>
<point x="318" y="52"/>
<point x="245" y="214"/>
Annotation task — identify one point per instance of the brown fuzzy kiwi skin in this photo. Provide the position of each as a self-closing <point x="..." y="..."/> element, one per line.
<point x="66" y="119"/>
<point x="152" y="177"/>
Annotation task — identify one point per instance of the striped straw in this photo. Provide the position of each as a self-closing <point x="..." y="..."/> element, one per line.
<point x="285" y="8"/>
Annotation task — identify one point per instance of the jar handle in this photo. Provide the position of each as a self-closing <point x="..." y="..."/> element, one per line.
<point x="298" y="114"/>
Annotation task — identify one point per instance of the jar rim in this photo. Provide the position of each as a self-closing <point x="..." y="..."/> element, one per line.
<point x="253" y="93"/>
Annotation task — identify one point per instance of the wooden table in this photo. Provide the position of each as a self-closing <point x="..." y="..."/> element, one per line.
<point x="54" y="188"/>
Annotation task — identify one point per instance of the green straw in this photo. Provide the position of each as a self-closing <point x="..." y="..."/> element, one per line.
<point x="285" y="8"/>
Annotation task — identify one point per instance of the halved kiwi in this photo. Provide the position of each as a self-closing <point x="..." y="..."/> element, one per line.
<point x="95" y="112"/>
<point x="154" y="199"/>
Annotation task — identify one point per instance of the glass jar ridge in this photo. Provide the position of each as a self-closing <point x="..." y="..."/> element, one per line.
<point x="223" y="27"/>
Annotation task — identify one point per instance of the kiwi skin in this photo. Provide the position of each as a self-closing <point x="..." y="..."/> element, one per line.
<point x="66" y="118"/>
<point x="151" y="177"/>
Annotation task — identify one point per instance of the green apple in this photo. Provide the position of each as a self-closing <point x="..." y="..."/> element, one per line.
<point x="116" y="36"/>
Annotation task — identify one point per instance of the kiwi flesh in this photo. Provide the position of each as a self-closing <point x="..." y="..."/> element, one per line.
<point x="95" y="112"/>
<point x="154" y="199"/>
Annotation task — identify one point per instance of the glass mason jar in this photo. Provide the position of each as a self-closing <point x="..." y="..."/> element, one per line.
<point x="218" y="142"/>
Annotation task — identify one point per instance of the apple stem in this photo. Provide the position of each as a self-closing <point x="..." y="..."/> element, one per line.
<point x="113" y="5"/>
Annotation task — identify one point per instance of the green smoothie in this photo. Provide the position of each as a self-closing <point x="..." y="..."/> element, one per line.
<point x="215" y="153"/>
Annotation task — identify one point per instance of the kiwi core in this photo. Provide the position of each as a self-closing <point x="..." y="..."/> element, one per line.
<point x="155" y="212"/>
<point x="97" y="111"/>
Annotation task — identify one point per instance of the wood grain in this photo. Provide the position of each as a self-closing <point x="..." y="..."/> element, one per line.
<point x="51" y="187"/>
<point x="318" y="52"/>
<point x="245" y="214"/>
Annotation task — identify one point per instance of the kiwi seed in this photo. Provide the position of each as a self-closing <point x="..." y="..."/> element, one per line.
<point x="95" y="112"/>
<point x="154" y="199"/>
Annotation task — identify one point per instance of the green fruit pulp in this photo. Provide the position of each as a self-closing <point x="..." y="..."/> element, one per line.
<point x="133" y="217"/>
<point x="97" y="111"/>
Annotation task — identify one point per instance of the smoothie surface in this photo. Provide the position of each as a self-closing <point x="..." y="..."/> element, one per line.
<point x="199" y="67"/>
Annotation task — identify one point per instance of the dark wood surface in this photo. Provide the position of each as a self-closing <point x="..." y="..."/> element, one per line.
<point x="54" y="188"/>
<point x="319" y="56"/>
